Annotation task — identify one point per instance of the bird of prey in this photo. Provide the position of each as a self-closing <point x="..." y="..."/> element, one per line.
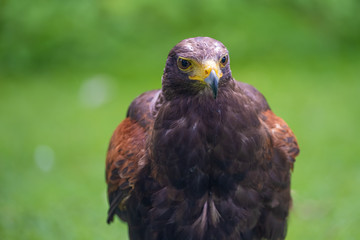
<point x="203" y="158"/>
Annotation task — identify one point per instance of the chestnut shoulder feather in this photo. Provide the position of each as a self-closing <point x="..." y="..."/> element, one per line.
<point x="282" y="136"/>
<point x="127" y="151"/>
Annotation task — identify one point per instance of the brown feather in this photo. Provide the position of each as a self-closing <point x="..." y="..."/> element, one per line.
<point x="127" y="150"/>
<point x="282" y="135"/>
<point x="124" y="160"/>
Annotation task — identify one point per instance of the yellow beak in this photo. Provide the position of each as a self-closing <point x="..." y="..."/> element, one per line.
<point x="208" y="72"/>
<point x="202" y="71"/>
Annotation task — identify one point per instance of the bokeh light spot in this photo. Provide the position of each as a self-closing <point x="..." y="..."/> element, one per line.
<point x="44" y="157"/>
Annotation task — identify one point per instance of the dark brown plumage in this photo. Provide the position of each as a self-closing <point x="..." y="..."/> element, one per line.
<point x="202" y="158"/>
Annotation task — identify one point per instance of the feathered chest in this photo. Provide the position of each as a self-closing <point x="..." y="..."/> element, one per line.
<point x="196" y="139"/>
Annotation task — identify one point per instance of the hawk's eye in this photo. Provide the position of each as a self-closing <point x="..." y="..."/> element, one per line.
<point x="224" y="60"/>
<point x="183" y="63"/>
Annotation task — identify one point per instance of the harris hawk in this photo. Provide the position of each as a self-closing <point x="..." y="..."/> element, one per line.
<point x="202" y="158"/>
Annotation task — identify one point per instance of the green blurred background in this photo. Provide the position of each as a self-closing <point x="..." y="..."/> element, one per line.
<point x="69" y="69"/>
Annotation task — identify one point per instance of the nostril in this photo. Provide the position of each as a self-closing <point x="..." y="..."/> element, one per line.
<point x="206" y="72"/>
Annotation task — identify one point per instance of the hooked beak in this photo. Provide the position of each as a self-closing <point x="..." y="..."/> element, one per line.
<point x="213" y="81"/>
<point x="207" y="72"/>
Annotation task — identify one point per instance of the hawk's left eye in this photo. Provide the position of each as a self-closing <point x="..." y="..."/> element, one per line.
<point x="183" y="63"/>
<point x="224" y="60"/>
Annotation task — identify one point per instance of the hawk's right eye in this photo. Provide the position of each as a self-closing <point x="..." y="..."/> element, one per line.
<point x="224" y="60"/>
<point x="183" y="63"/>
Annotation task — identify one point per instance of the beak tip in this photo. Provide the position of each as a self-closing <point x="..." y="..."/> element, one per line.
<point x="215" y="94"/>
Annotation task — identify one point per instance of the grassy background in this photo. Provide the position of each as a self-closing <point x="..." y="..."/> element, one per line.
<point x="69" y="69"/>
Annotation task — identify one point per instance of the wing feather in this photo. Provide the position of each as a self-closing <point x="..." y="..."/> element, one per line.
<point x="282" y="136"/>
<point x="127" y="152"/>
<point x="284" y="149"/>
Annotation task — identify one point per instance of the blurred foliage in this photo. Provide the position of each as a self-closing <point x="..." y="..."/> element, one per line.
<point x="69" y="69"/>
<point x="40" y="34"/>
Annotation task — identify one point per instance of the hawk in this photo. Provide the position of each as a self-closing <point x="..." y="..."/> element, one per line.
<point x="202" y="158"/>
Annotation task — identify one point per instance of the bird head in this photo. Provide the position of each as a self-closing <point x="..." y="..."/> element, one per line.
<point x="195" y="65"/>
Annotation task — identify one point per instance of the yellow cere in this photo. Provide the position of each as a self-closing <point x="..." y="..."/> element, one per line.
<point x="203" y="70"/>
